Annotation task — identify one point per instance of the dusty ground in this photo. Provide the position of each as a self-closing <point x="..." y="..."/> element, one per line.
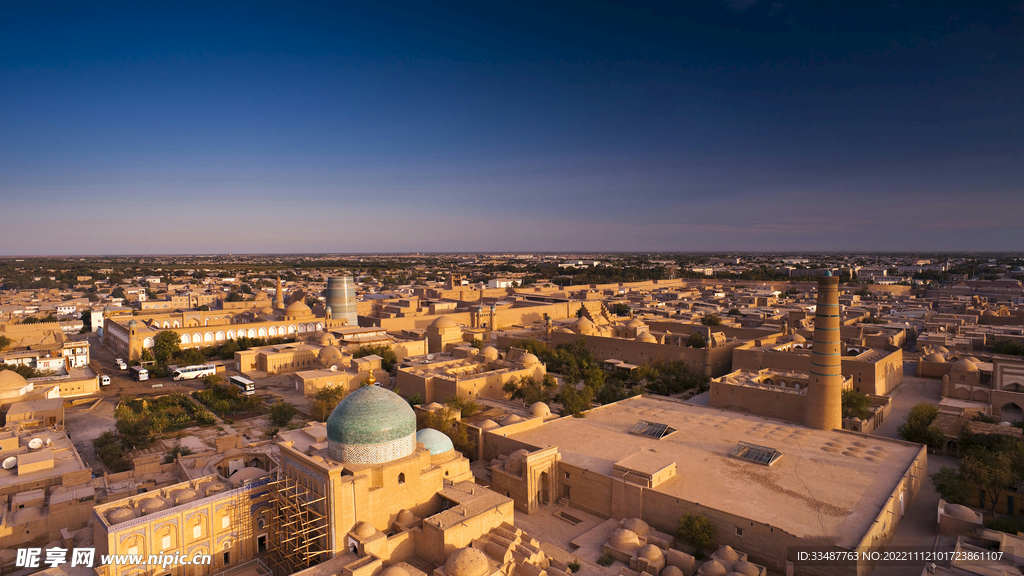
<point x="919" y="526"/>
<point x="556" y="535"/>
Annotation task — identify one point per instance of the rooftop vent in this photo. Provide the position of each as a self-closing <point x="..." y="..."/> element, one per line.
<point x="756" y="454"/>
<point x="655" y="430"/>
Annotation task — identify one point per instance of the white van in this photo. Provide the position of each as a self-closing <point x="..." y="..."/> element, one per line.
<point x="104" y="380"/>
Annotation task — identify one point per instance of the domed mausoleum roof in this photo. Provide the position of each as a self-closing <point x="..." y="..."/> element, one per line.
<point x="529" y="359"/>
<point x="646" y="336"/>
<point x="436" y="442"/>
<point x="443" y="322"/>
<point x="371" y="426"/>
<point x="466" y="562"/>
<point x="11" y="380"/>
<point x="329" y="356"/>
<point x="539" y="410"/>
<point x="624" y="539"/>
<point x="964" y="365"/>
<point x="490" y="352"/>
<point x="297" y="308"/>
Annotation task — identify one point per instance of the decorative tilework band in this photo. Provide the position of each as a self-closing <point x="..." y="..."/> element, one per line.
<point x="372" y="453"/>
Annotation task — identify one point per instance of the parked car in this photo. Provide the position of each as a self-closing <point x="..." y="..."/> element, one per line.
<point x="104" y="380"/>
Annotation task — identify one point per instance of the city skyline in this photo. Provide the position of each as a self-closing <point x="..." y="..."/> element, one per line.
<point x="722" y="126"/>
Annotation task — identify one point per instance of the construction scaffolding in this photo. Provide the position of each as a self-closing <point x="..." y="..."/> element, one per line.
<point x="298" y="529"/>
<point x="249" y="500"/>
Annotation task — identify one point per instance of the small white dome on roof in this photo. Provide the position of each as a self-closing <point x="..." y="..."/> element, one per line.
<point x="539" y="410"/>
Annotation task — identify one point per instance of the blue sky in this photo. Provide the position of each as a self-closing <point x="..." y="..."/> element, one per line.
<point x="342" y="127"/>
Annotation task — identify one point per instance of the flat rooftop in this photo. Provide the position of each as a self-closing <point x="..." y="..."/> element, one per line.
<point x="827" y="483"/>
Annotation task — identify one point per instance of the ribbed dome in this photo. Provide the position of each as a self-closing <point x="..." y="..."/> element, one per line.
<point x="466" y="562"/>
<point x="436" y="442"/>
<point x="11" y="380"/>
<point x="371" y="426"/>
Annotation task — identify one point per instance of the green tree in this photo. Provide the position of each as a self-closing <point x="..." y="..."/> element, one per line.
<point x="735" y="312"/>
<point x="620" y="309"/>
<point x="696" y="340"/>
<point x="711" y="320"/>
<point x="4" y="342"/>
<point x="166" y="345"/>
<point x="530" y="390"/>
<point x="234" y="297"/>
<point x="950" y="484"/>
<point x="917" y="426"/>
<point x="203" y="308"/>
<point x="117" y="292"/>
<point x="856" y="405"/>
<point x="415" y="400"/>
<point x="281" y="413"/>
<point x="465" y="406"/>
<point x="324" y="400"/>
<point x="388" y="356"/>
<point x="86" y="323"/>
<point x="575" y="401"/>
<point x="135" y="432"/>
<point x="697" y="531"/>
<point x="991" y="471"/>
<point x="477" y="343"/>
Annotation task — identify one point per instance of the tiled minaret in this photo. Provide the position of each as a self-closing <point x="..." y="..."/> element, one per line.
<point x="825" y="391"/>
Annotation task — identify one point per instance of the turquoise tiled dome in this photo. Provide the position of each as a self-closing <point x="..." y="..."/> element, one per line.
<point x="436" y="442"/>
<point x="370" y="426"/>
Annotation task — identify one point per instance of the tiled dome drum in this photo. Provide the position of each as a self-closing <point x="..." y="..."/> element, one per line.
<point x="371" y="426"/>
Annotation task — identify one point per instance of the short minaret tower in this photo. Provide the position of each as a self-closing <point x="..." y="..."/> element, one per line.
<point x="279" y="295"/>
<point x="825" y="391"/>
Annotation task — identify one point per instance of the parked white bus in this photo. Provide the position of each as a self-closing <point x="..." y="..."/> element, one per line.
<point x="246" y="387"/>
<point x="190" y="372"/>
